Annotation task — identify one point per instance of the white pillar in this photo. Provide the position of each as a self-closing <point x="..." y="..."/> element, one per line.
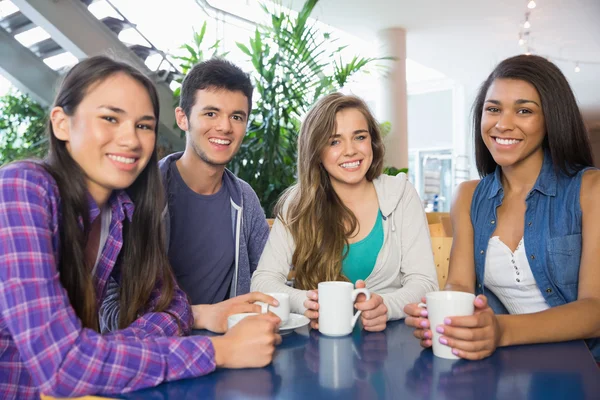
<point x="392" y="105"/>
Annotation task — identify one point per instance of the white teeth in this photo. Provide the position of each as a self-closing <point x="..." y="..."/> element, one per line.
<point x="506" y="141"/>
<point x="350" y="165"/>
<point x="219" y="141"/>
<point x="124" y="160"/>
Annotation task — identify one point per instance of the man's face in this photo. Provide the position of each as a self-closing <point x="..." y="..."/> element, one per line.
<point x="216" y="125"/>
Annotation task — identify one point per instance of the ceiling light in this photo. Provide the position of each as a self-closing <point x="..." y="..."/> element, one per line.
<point x="531" y="5"/>
<point x="577" y="69"/>
<point x="526" y="25"/>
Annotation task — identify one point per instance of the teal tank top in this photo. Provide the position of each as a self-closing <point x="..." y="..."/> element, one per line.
<point x="362" y="255"/>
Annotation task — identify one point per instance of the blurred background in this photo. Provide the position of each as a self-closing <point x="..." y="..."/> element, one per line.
<point x="417" y="64"/>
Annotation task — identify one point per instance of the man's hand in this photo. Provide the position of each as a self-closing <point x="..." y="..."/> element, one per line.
<point x="213" y="317"/>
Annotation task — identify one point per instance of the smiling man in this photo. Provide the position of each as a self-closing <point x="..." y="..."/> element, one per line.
<point x="216" y="228"/>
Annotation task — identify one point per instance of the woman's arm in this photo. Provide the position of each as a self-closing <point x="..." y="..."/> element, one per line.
<point x="274" y="266"/>
<point x="477" y="336"/>
<point x="461" y="270"/>
<point x="63" y="358"/>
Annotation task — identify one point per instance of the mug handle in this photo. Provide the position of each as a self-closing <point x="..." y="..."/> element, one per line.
<point x="355" y="294"/>
<point x="264" y="308"/>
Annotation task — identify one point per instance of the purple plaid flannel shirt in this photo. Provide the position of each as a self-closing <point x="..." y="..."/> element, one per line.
<point x="43" y="346"/>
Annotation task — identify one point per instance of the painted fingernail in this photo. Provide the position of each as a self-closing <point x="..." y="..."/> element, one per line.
<point x="455" y="352"/>
<point x="440" y="329"/>
<point x="275" y="303"/>
<point x="447" y="321"/>
<point x="443" y="341"/>
<point x="423" y="324"/>
<point x="427" y="335"/>
<point x="424" y="313"/>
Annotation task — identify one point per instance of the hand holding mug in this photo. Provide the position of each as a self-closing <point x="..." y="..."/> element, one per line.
<point x="442" y="307"/>
<point x="281" y="309"/>
<point x="374" y="311"/>
<point x="249" y="344"/>
<point x="213" y="317"/>
<point x="474" y="336"/>
<point x="312" y="306"/>
<point x="416" y="317"/>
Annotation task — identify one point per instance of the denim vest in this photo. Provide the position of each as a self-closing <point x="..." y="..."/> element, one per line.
<point x="552" y="234"/>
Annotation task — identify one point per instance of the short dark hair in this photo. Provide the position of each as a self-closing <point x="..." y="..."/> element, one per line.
<point x="566" y="135"/>
<point x="215" y="73"/>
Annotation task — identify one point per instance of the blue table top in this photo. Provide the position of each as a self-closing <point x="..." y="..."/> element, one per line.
<point x="392" y="365"/>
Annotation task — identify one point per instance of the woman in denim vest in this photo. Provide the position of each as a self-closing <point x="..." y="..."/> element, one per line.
<point x="526" y="236"/>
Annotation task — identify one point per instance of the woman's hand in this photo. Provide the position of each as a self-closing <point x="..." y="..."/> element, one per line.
<point x="475" y="336"/>
<point x="374" y="311"/>
<point x="312" y="306"/>
<point x="417" y="318"/>
<point x="249" y="344"/>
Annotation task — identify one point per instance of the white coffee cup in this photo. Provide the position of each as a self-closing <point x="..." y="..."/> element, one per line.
<point x="336" y="306"/>
<point x="233" y="319"/>
<point x="282" y="310"/>
<point x="441" y="305"/>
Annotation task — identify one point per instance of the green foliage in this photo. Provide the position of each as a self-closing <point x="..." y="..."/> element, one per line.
<point x="293" y="68"/>
<point x="394" y="171"/>
<point x="194" y="55"/>
<point x="386" y="128"/>
<point x="22" y="128"/>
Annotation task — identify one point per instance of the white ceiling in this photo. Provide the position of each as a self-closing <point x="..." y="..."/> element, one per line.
<point x="465" y="39"/>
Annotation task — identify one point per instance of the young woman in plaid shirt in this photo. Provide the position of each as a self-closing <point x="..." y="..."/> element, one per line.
<point x="88" y="212"/>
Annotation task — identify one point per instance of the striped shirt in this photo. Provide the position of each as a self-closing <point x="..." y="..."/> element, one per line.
<point x="43" y="346"/>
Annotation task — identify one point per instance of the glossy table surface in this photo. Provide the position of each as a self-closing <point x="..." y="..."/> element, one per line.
<point x="392" y="365"/>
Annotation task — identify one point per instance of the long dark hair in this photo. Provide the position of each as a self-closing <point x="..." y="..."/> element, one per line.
<point x="143" y="260"/>
<point x="318" y="220"/>
<point x="566" y="136"/>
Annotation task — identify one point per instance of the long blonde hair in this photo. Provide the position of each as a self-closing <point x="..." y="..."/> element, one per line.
<point x="316" y="217"/>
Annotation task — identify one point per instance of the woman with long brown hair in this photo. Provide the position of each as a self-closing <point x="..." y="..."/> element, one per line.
<point x="346" y="221"/>
<point x="89" y="212"/>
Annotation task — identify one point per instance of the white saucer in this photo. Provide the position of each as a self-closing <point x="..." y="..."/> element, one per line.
<point x="294" y="322"/>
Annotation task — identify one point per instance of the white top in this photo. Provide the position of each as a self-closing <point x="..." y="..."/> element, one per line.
<point x="508" y="275"/>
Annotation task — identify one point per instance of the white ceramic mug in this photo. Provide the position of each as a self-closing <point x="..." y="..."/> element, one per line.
<point x="282" y="310"/>
<point x="233" y="319"/>
<point x="336" y="306"/>
<point x="441" y="305"/>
